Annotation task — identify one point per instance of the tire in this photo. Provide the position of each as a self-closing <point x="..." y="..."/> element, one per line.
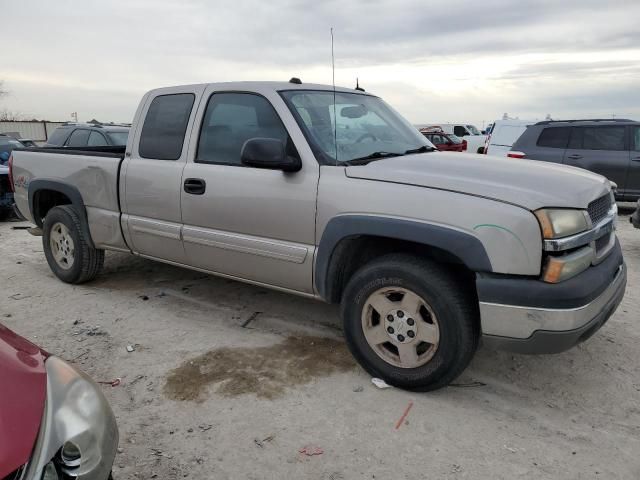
<point x="445" y="333"/>
<point x="68" y="253"/>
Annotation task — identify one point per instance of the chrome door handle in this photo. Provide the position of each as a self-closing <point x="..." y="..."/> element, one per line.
<point x="575" y="156"/>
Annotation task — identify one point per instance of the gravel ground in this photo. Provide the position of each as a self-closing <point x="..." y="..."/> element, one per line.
<point x="229" y="381"/>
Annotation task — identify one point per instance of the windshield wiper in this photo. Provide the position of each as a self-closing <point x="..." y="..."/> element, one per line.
<point x="371" y="157"/>
<point x="422" y="149"/>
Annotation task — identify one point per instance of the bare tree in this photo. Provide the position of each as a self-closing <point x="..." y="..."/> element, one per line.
<point x="7" y="115"/>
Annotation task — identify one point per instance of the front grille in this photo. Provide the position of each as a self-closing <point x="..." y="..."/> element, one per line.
<point x="599" y="208"/>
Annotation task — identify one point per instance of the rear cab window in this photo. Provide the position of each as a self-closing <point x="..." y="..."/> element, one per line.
<point x="165" y="126"/>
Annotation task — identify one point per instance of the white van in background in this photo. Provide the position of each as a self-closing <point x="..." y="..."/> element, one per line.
<point x="475" y="139"/>
<point x="503" y="135"/>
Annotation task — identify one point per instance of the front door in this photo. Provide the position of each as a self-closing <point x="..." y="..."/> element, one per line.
<point x="152" y="176"/>
<point x="248" y="223"/>
<point x="600" y="149"/>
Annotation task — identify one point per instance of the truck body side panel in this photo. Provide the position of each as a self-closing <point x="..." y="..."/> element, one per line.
<point x="94" y="177"/>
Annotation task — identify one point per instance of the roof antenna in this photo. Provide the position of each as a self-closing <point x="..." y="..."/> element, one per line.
<point x="333" y="80"/>
<point x="358" y="87"/>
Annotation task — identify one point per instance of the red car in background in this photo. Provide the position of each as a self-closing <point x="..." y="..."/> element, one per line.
<point x="445" y="142"/>
<point x="55" y="423"/>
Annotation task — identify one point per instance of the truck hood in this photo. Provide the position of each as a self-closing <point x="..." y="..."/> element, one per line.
<point x="527" y="183"/>
<point x="23" y="382"/>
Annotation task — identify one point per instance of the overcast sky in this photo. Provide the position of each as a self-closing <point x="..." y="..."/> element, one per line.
<point x="457" y="61"/>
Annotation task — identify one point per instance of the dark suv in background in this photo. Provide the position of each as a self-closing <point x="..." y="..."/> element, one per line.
<point x="608" y="147"/>
<point x="79" y="135"/>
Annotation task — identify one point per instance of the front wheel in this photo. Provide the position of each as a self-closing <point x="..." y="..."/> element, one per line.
<point x="410" y="322"/>
<point x="68" y="252"/>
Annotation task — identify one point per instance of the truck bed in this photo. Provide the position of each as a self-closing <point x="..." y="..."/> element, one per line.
<point x="92" y="171"/>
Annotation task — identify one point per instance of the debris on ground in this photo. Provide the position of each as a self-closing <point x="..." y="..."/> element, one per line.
<point x="378" y="382"/>
<point x="470" y="384"/>
<point x="260" y="443"/>
<point x="404" y="415"/>
<point x="204" y="427"/>
<point x="159" y="453"/>
<point x="130" y="348"/>
<point x="359" y="388"/>
<point x="311" y="450"/>
<point x="114" y="383"/>
<point x="143" y="297"/>
<point x="511" y="449"/>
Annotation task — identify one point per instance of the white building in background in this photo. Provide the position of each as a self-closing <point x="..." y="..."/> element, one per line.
<point x="36" y="131"/>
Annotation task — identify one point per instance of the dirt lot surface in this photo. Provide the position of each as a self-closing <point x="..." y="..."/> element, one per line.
<point x="230" y="381"/>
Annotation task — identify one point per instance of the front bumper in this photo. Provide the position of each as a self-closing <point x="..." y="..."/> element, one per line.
<point x="550" y="318"/>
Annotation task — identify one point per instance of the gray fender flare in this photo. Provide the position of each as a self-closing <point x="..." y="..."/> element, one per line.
<point x="466" y="247"/>
<point x="70" y="191"/>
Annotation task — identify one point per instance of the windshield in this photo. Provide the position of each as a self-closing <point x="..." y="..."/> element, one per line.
<point x="455" y="139"/>
<point x="473" y="130"/>
<point x="118" y="138"/>
<point x="366" y="127"/>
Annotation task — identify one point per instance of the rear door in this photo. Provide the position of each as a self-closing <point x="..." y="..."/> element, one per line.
<point x="249" y="223"/>
<point x="152" y="174"/>
<point x="633" y="178"/>
<point x="601" y="149"/>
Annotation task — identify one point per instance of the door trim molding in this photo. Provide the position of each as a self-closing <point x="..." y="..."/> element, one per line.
<point x="286" y="251"/>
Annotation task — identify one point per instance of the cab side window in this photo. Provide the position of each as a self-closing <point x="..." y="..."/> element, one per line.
<point x="635" y="135"/>
<point x="96" y="139"/>
<point x="597" y="138"/>
<point x="233" y="118"/>
<point x="78" y="138"/>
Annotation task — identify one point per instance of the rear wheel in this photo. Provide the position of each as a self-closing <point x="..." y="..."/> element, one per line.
<point x="410" y="322"/>
<point x="68" y="252"/>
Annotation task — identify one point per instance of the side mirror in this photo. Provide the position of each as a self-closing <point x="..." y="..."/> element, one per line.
<point x="268" y="153"/>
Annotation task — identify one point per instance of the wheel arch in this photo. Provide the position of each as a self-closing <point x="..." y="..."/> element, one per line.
<point x="44" y="194"/>
<point x="350" y="241"/>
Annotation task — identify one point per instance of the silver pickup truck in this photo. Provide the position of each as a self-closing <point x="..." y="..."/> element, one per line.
<point x="332" y="195"/>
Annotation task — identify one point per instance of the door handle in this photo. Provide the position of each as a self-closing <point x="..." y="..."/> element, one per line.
<point x="575" y="156"/>
<point x="195" y="186"/>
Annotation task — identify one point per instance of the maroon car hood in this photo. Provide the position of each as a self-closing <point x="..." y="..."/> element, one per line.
<point x="23" y="388"/>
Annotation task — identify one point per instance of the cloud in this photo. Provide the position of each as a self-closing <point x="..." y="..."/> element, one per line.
<point x="463" y="60"/>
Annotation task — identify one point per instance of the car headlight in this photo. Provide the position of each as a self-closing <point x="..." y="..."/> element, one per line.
<point x="78" y="437"/>
<point x="557" y="223"/>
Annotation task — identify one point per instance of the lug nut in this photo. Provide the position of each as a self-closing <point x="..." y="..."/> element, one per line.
<point x="410" y="321"/>
<point x="401" y="338"/>
<point x="390" y="318"/>
<point x="400" y="313"/>
<point x="390" y="329"/>
<point x="411" y="334"/>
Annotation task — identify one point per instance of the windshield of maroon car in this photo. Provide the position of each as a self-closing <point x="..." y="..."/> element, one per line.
<point x="351" y="127"/>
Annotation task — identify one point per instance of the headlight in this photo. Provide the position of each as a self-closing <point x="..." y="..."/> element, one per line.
<point x="563" y="267"/>
<point x="556" y="223"/>
<point x="78" y="436"/>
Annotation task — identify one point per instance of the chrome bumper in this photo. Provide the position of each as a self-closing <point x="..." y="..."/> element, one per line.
<point x="549" y="330"/>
